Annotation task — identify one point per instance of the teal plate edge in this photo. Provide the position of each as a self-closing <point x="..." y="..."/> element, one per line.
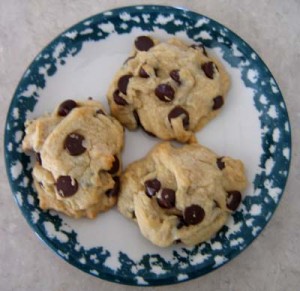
<point x="269" y="185"/>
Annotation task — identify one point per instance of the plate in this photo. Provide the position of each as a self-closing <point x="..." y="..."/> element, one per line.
<point x="253" y="126"/>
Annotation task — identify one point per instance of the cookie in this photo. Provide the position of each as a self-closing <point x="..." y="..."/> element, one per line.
<point x="181" y="194"/>
<point x="170" y="89"/>
<point x="77" y="158"/>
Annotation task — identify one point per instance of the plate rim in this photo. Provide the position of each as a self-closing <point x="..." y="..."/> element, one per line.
<point x="41" y="234"/>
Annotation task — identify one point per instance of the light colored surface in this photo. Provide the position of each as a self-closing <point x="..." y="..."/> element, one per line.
<point x="272" y="28"/>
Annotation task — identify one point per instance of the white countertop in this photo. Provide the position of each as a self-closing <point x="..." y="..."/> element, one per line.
<point x="272" y="28"/>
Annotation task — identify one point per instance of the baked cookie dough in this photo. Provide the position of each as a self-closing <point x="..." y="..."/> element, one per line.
<point x="77" y="158"/>
<point x="181" y="194"/>
<point x="170" y="89"/>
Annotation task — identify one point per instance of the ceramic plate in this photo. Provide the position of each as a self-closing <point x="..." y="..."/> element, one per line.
<point x="253" y="126"/>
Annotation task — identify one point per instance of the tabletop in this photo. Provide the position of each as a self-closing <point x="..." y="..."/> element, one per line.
<point x="272" y="28"/>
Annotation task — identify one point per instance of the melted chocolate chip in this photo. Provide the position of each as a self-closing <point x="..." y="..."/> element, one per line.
<point x="66" y="186"/>
<point x="152" y="187"/>
<point x="178" y="241"/>
<point x="220" y="163"/>
<point x="38" y="158"/>
<point x="175" y="76"/>
<point x="199" y="46"/>
<point x="165" y="92"/>
<point x="123" y="83"/>
<point x="143" y="73"/>
<point x="234" y="199"/>
<point x="66" y="107"/>
<point x="116" y="189"/>
<point x="74" y="144"/>
<point x="143" y="43"/>
<point x="177" y="111"/>
<point x="218" y="102"/>
<point x="167" y="199"/>
<point x="193" y="214"/>
<point x="115" y="166"/>
<point x="208" y="69"/>
<point x="118" y="99"/>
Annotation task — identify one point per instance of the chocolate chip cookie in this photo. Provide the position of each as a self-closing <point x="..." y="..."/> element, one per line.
<point x="170" y="89"/>
<point x="77" y="158"/>
<point x="181" y="193"/>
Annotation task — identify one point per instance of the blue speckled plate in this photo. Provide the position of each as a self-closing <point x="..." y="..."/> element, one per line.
<point x="253" y="126"/>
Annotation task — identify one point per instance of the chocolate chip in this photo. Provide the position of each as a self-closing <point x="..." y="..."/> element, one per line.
<point x="199" y="46"/>
<point x="66" y="107"/>
<point x="177" y="111"/>
<point x="152" y="187"/>
<point x="66" y="186"/>
<point x="116" y="189"/>
<point x="133" y="215"/>
<point x="115" y="166"/>
<point x="74" y="144"/>
<point x="143" y="43"/>
<point x="193" y="214"/>
<point x="178" y="241"/>
<point x="38" y="158"/>
<point x="234" y="199"/>
<point x="100" y="111"/>
<point x="218" y="102"/>
<point x="220" y="163"/>
<point x="175" y="76"/>
<point x="167" y="198"/>
<point x="90" y="98"/>
<point x="165" y="92"/>
<point x="118" y="99"/>
<point x="143" y="73"/>
<point x="123" y="83"/>
<point x="181" y="223"/>
<point x="208" y="69"/>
